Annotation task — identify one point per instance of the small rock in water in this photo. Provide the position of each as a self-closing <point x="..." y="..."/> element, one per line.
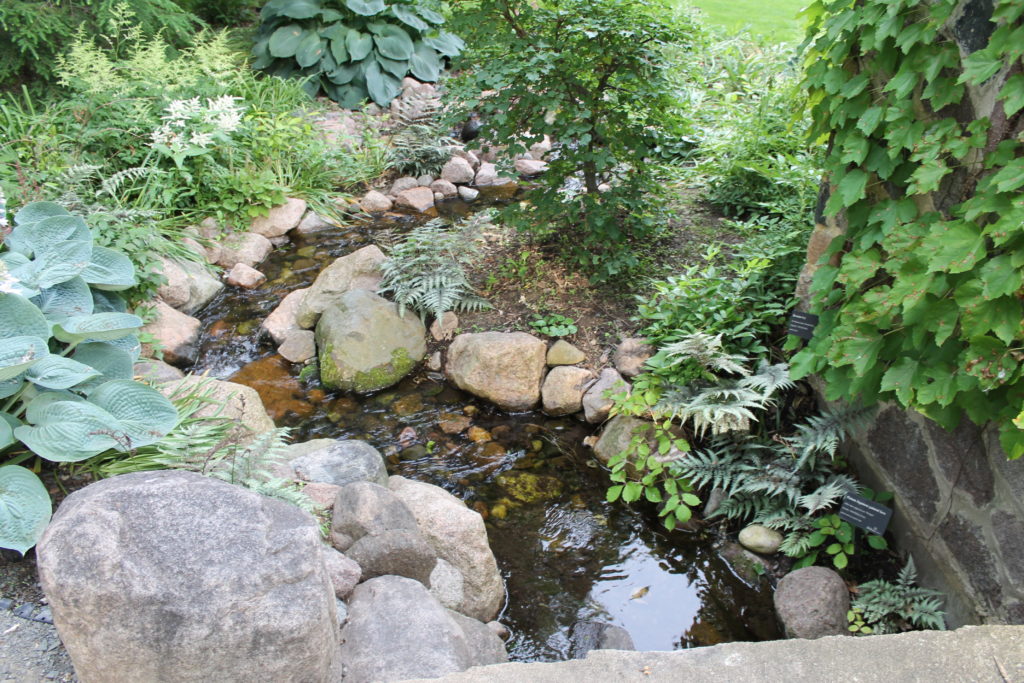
<point x="760" y="539"/>
<point x="479" y="434"/>
<point x="468" y="194"/>
<point x="434" y="362"/>
<point x="245" y="276"/>
<point x="453" y="424"/>
<point x="407" y="436"/>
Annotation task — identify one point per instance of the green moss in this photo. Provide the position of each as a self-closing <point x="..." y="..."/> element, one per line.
<point x="379" y="377"/>
<point x="528" y="487"/>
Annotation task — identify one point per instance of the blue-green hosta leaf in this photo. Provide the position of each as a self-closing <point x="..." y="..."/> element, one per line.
<point x="110" y="270"/>
<point x="57" y="372"/>
<point x="129" y="343"/>
<point x="311" y="49"/>
<point x="366" y="8"/>
<point x="20" y="317"/>
<point x="393" y="42"/>
<point x="111" y="361"/>
<point x="358" y="44"/>
<point x="37" y="211"/>
<point x="18" y="354"/>
<point x="448" y="44"/>
<point x="382" y="87"/>
<point x="61" y="262"/>
<point x="65" y="299"/>
<point x="145" y="414"/>
<point x="285" y="40"/>
<point x="425" y="64"/>
<point x="9" y="387"/>
<point x="25" y="508"/>
<point x="430" y="15"/>
<point x="396" y="68"/>
<point x="15" y="268"/>
<point x="108" y="302"/>
<point x="70" y="431"/>
<point x="405" y="15"/>
<point x="6" y="431"/>
<point x="299" y="9"/>
<point x="98" y="326"/>
<point x="343" y="74"/>
<point x="35" y="408"/>
<point x="39" y="237"/>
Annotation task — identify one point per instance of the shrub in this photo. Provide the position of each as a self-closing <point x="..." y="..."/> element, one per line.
<point x="353" y="49"/>
<point x="592" y="76"/>
<point x="67" y="348"/>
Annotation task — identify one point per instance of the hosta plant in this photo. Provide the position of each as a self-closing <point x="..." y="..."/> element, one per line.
<point x="353" y="49"/>
<point x="67" y="349"/>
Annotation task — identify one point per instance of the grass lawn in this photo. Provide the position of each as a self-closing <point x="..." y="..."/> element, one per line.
<point x="775" y="20"/>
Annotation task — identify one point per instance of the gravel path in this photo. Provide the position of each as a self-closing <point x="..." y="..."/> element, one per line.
<point x="30" y="650"/>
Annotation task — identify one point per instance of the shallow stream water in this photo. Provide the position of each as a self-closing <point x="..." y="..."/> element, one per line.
<point x="566" y="554"/>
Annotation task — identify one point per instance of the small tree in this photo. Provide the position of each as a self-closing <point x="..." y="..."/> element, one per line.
<point x="592" y="75"/>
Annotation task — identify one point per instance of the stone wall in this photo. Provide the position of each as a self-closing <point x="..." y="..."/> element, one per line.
<point x="959" y="509"/>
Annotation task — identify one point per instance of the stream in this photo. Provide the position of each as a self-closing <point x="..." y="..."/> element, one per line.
<point x="566" y="554"/>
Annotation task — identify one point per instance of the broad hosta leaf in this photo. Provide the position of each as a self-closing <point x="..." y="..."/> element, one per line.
<point x="299" y="9"/>
<point x="130" y="344"/>
<point x="394" y="67"/>
<point x="18" y="354"/>
<point x="98" y="326"/>
<point x="145" y="414"/>
<point x="310" y="49"/>
<point x="108" y="302"/>
<point x="40" y="236"/>
<point x="285" y="40"/>
<point x="37" y="211"/>
<point x="56" y="372"/>
<point x="358" y="44"/>
<point x="34" y="412"/>
<point x="425" y="64"/>
<point x="381" y="86"/>
<point x="61" y="262"/>
<point x="20" y="317"/>
<point x="352" y="96"/>
<point x="430" y="15"/>
<point x="111" y="361"/>
<point x="393" y="42"/>
<point x="343" y="74"/>
<point x="110" y="270"/>
<point x="65" y="300"/>
<point x="6" y="431"/>
<point x="448" y="44"/>
<point x="25" y="508"/>
<point x="70" y="431"/>
<point x="366" y="8"/>
<point x="9" y="387"/>
<point x="405" y="15"/>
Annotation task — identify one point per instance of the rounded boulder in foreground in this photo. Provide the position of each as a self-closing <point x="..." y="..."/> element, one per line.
<point x="171" y="576"/>
<point x="812" y="602"/>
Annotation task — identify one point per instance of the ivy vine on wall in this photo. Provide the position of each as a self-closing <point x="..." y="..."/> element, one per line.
<point x="921" y="298"/>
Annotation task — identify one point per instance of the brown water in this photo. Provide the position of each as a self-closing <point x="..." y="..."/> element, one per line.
<point x="567" y="555"/>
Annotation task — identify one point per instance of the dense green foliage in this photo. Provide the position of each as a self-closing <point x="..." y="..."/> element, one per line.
<point x="892" y="607"/>
<point x="354" y="49"/>
<point x="773" y="21"/>
<point x="67" y="349"/>
<point x="926" y="306"/>
<point x="34" y="33"/>
<point x="592" y="76"/>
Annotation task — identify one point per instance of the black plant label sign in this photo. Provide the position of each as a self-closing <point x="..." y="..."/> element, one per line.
<point x="865" y="514"/>
<point x="802" y="324"/>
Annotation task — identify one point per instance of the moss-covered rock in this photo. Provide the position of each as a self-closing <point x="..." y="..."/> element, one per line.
<point x="364" y="345"/>
<point x="528" y="487"/>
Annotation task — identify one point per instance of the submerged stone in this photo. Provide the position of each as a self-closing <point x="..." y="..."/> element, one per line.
<point x="528" y="487"/>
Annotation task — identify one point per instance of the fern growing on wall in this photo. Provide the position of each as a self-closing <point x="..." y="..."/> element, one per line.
<point x="900" y="606"/>
<point x="427" y="270"/>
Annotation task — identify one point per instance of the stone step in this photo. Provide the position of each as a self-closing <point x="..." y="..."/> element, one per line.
<point x="971" y="653"/>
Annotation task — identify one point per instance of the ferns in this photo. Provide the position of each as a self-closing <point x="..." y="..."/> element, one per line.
<point x="421" y="149"/>
<point x="822" y="433"/>
<point x="900" y="606"/>
<point x="425" y="272"/>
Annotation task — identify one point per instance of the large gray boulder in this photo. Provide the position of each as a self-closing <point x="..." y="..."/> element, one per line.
<point x="171" y="576"/>
<point x="396" y="630"/>
<point x="365" y="345"/>
<point x="358" y="270"/>
<point x="243" y="247"/>
<point x="189" y="286"/>
<point x="505" y="368"/>
<point x="174" y="332"/>
<point x="363" y="508"/>
<point x="401" y="552"/>
<point x="459" y="537"/>
<point x="563" y="389"/>
<point x="812" y="602"/>
<point x="343" y="462"/>
<point x="279" y="219"/>
<point x="618" y="434"/>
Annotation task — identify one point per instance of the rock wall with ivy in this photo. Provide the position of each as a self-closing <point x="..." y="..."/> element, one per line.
<point x="916" y="269"/>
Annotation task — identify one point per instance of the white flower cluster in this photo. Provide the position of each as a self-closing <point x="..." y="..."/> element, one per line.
<point x="190" y="127"/>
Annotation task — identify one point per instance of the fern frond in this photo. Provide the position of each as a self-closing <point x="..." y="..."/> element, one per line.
<point x="823" y="433"/>
<point x="822" y="497"/>
<point x="706" y="350"/>
<point x="769" y="378"/>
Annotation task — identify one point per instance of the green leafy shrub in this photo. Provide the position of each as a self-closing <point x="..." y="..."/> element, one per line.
<point x="925" y="307"/>
<point x="426" y="270"/>
<point x="886" y="607"/>
<point x="67" y="349"/>
<point x="33" y="33"/>
<point x="355" y="49"/>
<point x="593" y="77"/>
